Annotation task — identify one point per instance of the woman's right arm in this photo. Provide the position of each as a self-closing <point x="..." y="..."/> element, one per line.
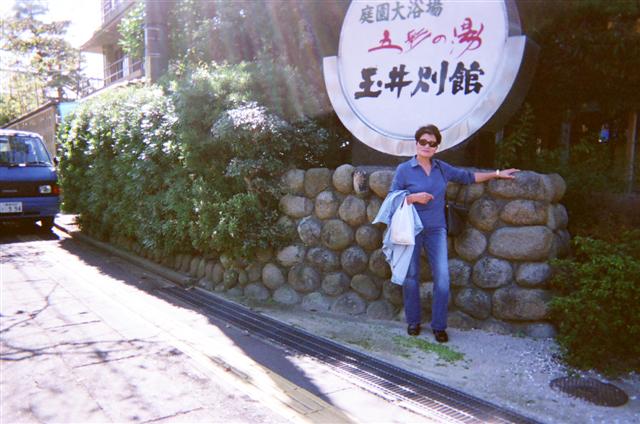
<point x="399" y="183"/>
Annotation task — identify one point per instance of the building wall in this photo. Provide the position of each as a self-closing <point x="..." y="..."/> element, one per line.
<point x="42" y="122"/>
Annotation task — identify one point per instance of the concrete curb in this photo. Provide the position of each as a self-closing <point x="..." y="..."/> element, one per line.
<point x="171" y="275"/>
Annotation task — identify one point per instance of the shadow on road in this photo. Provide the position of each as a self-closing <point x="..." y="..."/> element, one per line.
<point x="267" y="355"/>
<point x="21" y="231"/>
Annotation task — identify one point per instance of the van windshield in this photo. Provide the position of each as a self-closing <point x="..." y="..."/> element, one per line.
<point x="23" y="151"/>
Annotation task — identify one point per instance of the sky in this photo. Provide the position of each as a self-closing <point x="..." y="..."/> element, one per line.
<point x="85" y="19"/>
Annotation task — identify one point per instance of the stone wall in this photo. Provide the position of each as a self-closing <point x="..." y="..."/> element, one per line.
<point x="499" y="265"/>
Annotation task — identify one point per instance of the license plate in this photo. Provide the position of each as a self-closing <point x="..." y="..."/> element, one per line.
<point x="10" y="207"/>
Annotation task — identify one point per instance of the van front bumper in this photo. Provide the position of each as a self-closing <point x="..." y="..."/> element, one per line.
<point x="32" y="207"/>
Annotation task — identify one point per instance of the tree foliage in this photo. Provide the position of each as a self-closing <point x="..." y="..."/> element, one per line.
<point x="44" y="65"/>
<point x="590" y="54"/>
<point x="131" y="30"/>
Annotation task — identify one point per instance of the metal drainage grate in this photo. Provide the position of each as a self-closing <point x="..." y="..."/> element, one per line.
<point x="591" y="390"/>
<point x="433" y="400"/>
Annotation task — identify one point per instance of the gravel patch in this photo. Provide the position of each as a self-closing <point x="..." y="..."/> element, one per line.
<point x="509" y="371"/>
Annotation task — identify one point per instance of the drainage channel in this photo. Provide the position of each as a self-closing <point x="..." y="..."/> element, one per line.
<point x="410" y="390"/>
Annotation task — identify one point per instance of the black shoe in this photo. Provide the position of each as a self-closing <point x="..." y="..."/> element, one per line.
<point x="413" y="329"/>
<point x="441" y="336"/>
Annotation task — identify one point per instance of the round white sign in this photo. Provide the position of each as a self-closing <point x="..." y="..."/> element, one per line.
<point x="404" y="64"/>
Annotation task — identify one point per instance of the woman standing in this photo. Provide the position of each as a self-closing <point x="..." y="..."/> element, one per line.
<point x="426" y="180"/>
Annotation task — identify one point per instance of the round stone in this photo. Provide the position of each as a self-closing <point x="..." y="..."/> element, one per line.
<point x="296" y="206"/>
<point x="524" y="212"/>
<point x="286" y="295"/>
<point x="202" y="268"/>
<point x="326" y="205"/>
<point x="499" y="327"/>
<point x="526" y="185"/>
<point x="354" y="260"/>
<point x="349" y="303"/>
<point x="458" y="319"/>
<point x="229" y="279"/>
<point x="208" y="271"/>
<point x="380" y="181"/>
<point x="483" y="214"/>
<point x="309" y="230"/>
<point x="380" y="309"/>
<point x="256" y="291"/>
<point x="490" y="273"/>
<point x="286" y="225"/>
<point x="360" y="182"/>
<point x="335" y="283"/>
<point x="368" y="237"/>
<point x="243" y="277"/>
<point x="353" y="210"/>
<point x="365" y="287"/>
<point x="293" y="181"/>
<point x="459" y="273"/>
<point x="514" y="303"/>
<point x="474" y="302"/>
<point x="272" y="276"/>
<point x="316" y="302"/>
<point x="558" y="185"/>
<point x="557" y="217"/>
<point x="343" y="178"/>
<point x="473" y="193"/>
<point x="226" y="261"/>
<point x="304" y="278"/>
<point x="336" y="234"/>
<point x="323" y="259"/>
<point x="522" y="243"/>
<point x="186" y="263"/>
<point x="235" y="291"/>
<point x="533" y="274"/>
<point x="205" y="283"/>
<point x="540" y="330"/>
<point x="392" y="292"/>
<point x="470" y="244"/>
<point x="378" y="264"/>
<point x="316" y="180"/>
<point x="254" y="272"/>
<point x="291" y="255"/>
<point x="217" y="273"/>
<point x="372" y="208"/>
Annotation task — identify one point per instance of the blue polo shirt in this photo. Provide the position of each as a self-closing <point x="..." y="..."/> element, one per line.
<point x="410" y="176"/>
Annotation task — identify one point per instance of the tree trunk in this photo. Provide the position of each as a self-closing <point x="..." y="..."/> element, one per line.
<point x="631" y="150"/>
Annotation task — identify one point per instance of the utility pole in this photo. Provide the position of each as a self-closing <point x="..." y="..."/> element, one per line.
<point x="156" y="39"/>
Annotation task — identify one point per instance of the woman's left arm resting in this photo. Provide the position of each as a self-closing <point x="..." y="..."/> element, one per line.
<point x="506" y="174"/>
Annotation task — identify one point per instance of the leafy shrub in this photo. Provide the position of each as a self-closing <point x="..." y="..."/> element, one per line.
<point x="597" y="309"/>
<point x="121" y="169"/>
<point x="197" y="169"/>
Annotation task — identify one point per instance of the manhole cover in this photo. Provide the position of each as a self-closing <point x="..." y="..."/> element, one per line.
<point x="591" y="390"/>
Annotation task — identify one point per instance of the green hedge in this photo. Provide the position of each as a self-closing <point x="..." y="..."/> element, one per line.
<point x="193" y="167"/>
<point x="597" y="309"/>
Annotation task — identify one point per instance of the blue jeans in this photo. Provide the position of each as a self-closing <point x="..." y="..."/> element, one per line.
<point x="434" y="241"/>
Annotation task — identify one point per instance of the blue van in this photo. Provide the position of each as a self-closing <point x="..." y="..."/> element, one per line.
<point x="29" y="188"/>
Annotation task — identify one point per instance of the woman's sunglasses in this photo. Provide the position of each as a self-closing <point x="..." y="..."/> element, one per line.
<point x="428" y="143"/>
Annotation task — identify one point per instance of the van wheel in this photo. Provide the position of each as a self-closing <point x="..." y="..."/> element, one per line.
<point x="46" y="223"/>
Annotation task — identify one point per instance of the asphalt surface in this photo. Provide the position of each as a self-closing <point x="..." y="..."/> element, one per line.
<point x="86" y="338"/>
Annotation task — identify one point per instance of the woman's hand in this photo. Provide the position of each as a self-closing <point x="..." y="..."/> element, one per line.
<point x="422" y="197"/>
<point x="507" y="173"/>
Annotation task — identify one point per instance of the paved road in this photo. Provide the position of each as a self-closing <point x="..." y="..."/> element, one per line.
<point x="81" y="341"/>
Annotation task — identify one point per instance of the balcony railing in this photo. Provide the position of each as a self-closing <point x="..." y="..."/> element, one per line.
<point x="111" y="8"/>
<point x="122" y="69"/>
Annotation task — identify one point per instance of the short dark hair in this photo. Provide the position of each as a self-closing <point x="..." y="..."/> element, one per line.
<point x="429" y="129"/>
